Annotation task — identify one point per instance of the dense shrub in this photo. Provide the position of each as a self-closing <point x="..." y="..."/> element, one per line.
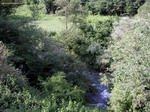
<point x="57" y="96"/>
<point x="144" y="11"/>
<point x="91" y="41"/>
<point x="39" y="57"/>
<point x="114" y="7"/>
<point x="11" y="83"/>
<point x="62" y="89"/>
<point x="34" y="53"/>
<point x="6" y="9"/>
<point x="130" y="66"/>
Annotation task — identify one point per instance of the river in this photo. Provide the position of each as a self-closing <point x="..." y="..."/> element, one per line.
<point x="100" y="96"/>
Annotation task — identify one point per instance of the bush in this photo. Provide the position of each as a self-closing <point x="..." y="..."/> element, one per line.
<point x="144" y="11"/>
<point x="34" y="53"/>
<point x="91" y="41"/>
<point x="115" y="7"/>
<point x="130" y="66"/>
<point x="11" y="83"/>
<point x="57" y="96"/>
<point x="62" y="89"/>
<point x="5" y="9"/>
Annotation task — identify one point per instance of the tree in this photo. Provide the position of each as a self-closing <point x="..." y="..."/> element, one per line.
<point x="50" y="6"/>
<point x="114" y="7"/>
<point x="70" y="7"/>
<point x="5" y="9"/>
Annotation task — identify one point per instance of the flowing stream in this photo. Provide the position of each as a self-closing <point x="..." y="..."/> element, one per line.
<point x="101" y="94"/>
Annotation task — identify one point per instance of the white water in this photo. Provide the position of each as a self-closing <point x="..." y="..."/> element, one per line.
<point x="101" y="94"/>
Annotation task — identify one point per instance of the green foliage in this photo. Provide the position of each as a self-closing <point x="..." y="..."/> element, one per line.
<point x="16" y="95"/>
<point x="49" y="23"/>
<point x="34" y="53"/>
<point x="91" y="41"/>
<point x="12" y="84"/>
<point x="144" y="11"/>
<point x="50" y="6"/>
<point x="5" y="9"/>
<point x="31" y="2"/>
<point x="35" y="11"/>
<point x="130" y="66"/>
<point x="114" y="7"/>
<point x="38" y="56"/>
<point x="62" y="89"/>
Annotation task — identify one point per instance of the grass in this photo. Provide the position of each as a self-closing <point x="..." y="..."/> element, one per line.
<point x="96" y="18"/>
<point x="23" y="11"/>
<point x="49" y="23"/>
<point x="53" y="23"/>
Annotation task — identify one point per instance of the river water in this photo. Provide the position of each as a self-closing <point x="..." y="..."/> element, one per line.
<point x="100" y="96"/>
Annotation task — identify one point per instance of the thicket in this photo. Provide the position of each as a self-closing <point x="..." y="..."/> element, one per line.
<point x="114" y="7"/>
<point x="6" y="9"/>
<point x="90" y="40"/>
<point x="42" y="75"/>
<point x="95" y="7"/>
<point x="57" y="91"/>
<point x="57" y="94"/>
<point x="33" y="52"/>
<point x="130" y="66"/>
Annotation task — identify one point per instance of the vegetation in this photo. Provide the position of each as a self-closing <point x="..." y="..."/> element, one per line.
<point x="47" y="47"/>
<point x="16" y="95"/>
<point x="91" y="40"/>
<point x="130" y="92"/>
<point x="114" y="7"/>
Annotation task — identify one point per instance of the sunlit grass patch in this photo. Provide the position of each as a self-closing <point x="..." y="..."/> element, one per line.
<point x="96" y="18"/>
<point x="56" y="25"/>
